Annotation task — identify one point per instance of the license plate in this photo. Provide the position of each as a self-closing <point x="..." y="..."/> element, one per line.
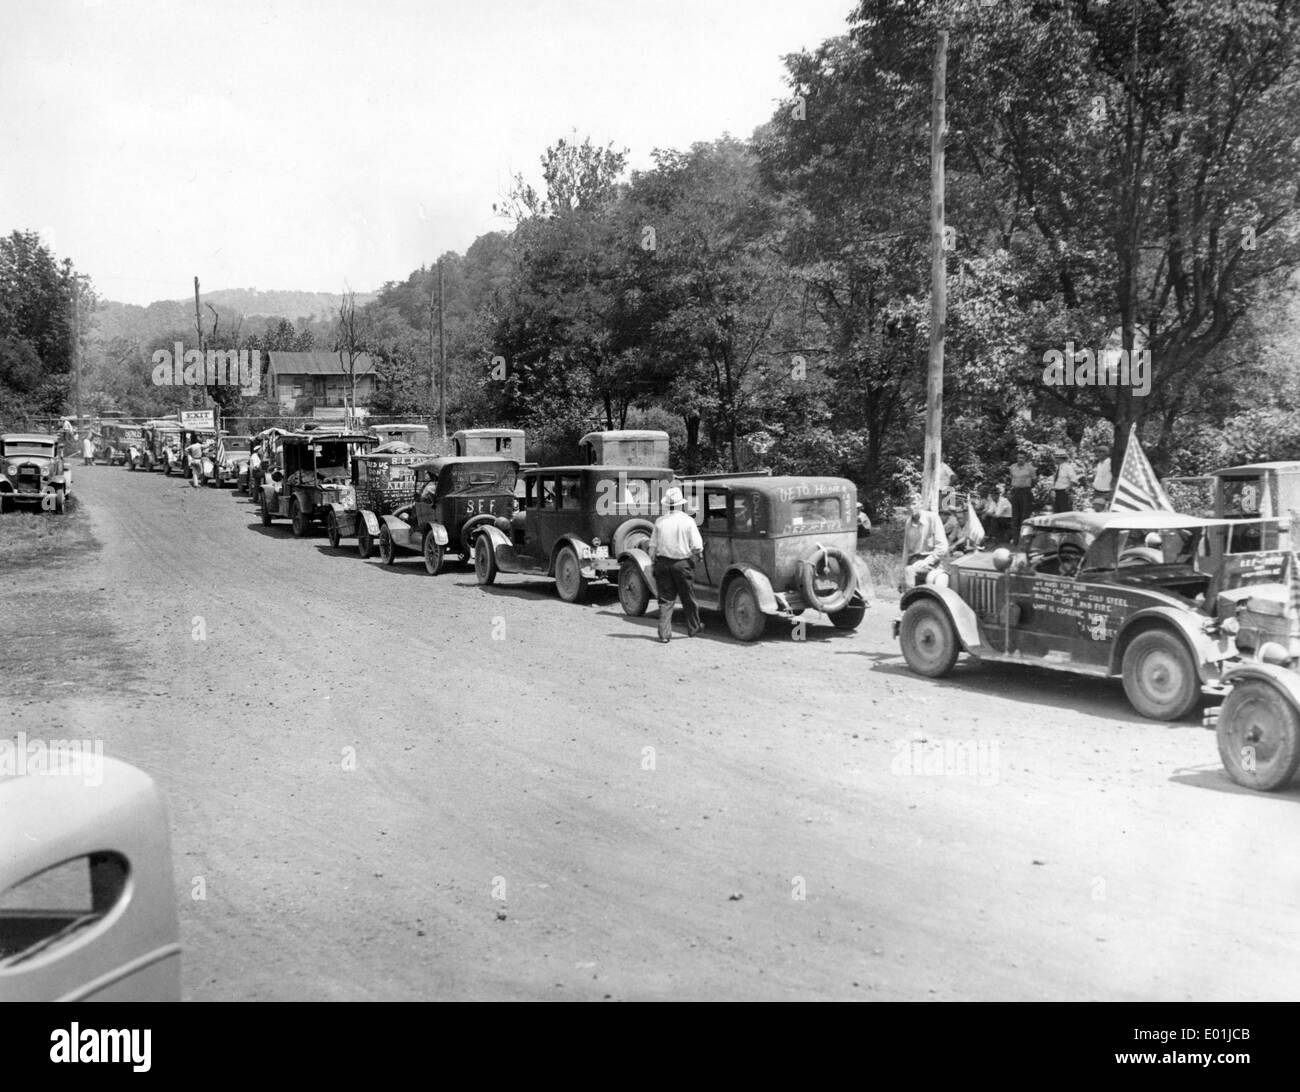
<point x="601" y="552"/>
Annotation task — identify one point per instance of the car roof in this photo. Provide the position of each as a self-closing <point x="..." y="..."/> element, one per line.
<point x="1095" y="522"/>
<point x="603" y="468"/>
<point x="460" y="460"/>
<point x="765" y="483"/>
<point x="1249" y="467"/>
<point x="503" y="432"/>
<point x="30" y="437"/>
<point x="329" y="434"/>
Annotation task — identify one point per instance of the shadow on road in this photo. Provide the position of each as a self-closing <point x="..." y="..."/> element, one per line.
<point x="1216" y="779"/>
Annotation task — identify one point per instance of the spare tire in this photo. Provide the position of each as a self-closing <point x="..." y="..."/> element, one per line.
<point x="631" y="534"/>
<point x="845" y="584"/>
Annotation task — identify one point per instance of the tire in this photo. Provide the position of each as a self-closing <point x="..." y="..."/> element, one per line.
<point x="744" y="618"/>
<point x="4" y="505"/>
<point x="332" y="530"/>
<point x="632" y="535"/>
<point x="433" y="554"/>
<point x="60" y="501"/>
<point x="470" y="532"/>
<point x="569" y="581"/>
<point x="387" y="551"/>
<point x="1259" y="736"/>
<point x="266" y="513"/>
<point x="928" y="640"/>
<point x="850" y="617"/>
<point x="365" y="544"/>
<point x="845" y="586"/>
<point x="485" y="561"/>
<point x="633" y="592"/>
<point x="1160" y="678"/>
<point x="298" y="518"/>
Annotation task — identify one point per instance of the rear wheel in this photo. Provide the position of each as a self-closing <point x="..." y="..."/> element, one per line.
<point x="849" y="617"/>
<point x="633" y="592"/>
<point x="1259" y="736"/>
<point x="387" y="551"/>
<point x="298" y="518"/>
<point x="332" y="530"/>
<point x="929" y="643"/>
<point x="432" y="554"/>
<point x="1160" y="678"/>
<point x="745" y="618"/>
<point x="365" y="544"/>
<point x="485" y="561"/>
<point x="569" y="581"/>
<point x="266" y="513"/>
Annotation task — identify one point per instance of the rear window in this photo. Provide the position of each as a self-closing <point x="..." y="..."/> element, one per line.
<point x="1243" y="497"/>
<point x="814" y="510"/>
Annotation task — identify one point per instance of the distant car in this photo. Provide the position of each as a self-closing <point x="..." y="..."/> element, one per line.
<point x="228" y="467"/>
<point x="1127" y="594"/>
<point x="33" y="471"/>
<point x="574" y="524"/>
<point x="315" y="474"/>
<point x="456" y="498"/>
<point x="773" y="546"/>
<point x="87" y="899"/>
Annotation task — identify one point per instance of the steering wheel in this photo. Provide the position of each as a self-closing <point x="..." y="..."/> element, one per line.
<point x="1141" y="555"/>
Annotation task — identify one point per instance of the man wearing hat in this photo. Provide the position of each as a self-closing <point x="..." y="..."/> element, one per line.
<point x="675" y="546"/>
<point x="1065" y="479"/>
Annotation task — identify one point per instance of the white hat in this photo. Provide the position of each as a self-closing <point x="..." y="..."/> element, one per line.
<point x="673" y="498"/>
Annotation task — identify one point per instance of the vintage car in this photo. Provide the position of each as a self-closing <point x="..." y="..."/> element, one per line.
<point x="114" y="443"/>
<point x="414" y="436"/>
<point x="1266" y="497"/>
<point x="87" y="901"/>
<point x="625" y="447"/>
<point x="163" y="446"/>
<point x="456" y="498"/>
<point x="383" y="479"/>
<point x="267" y="446"/>
<point x="33" y="471"/>
<point x="1127" y="594"/>
<point x="505" y="443"/>
<point x="772" y="546"/>
<point x="226" y="463"/>
<point x="316" y="472"/>
<point x="575" y="523"/>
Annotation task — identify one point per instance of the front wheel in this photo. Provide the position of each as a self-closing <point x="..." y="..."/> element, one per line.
<point x="332" y="530"/>
<point x="1259" y="736"/>
<point x="298" y="517"/>
<point x="365" y="544"/>
<point x="387" y="551"/>
<point x="745" y="618"/>
<point x="432" y="554"/>
<point x="485" y="561"/>
<point x="266" y="513"/>
<point x="569" y="581"/>
<point x="633" y="592"/>
<point x="1159" y="676"/>
<point x="929" y="643"/>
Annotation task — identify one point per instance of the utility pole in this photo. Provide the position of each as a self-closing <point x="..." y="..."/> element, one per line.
<point x="938" y="284"/>
<point x="198" y="325"/>
<point x="442" y="354"/>
<point x="76" y="350"/>
<point x="433" y="360"/>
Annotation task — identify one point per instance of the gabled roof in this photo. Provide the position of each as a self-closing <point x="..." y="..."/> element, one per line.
<point x="319" y="362"/>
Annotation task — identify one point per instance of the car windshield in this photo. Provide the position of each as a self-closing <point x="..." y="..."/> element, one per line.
<point x="237" y="443"/>
<point x="28" y="447"/>
<point x="481" y="478"/>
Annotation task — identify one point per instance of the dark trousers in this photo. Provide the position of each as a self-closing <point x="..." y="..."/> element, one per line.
<point x="1063" y="501"/>
<point x="674" y="579"/>
<point x="1022" y="507"/>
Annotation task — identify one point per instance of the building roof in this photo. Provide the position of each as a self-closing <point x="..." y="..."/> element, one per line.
<point x="316" y="363"/>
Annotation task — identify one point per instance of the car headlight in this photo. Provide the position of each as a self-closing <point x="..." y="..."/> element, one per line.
<point x="12" y="471"/>
<point x="1230" y="626"/>
<point x="45" y="472"/>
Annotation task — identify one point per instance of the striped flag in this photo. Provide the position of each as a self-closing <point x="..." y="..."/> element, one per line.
<point x="1292" y="579"/>
<point x="221" y="449"/>
<point x="1137" y="489"/>
<point x="974" y="528"/>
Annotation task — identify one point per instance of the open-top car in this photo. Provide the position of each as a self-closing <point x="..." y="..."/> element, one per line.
<point x="772" y="546"/>
<point x="575" y="523"/>
<point x="316" y="472"/>
<point x="1127" y="594"/>
<point x="382" y="479"/>
<point x="224" y="463"/>
<point x="456" y="498"/>
<point x="33" y="471"/>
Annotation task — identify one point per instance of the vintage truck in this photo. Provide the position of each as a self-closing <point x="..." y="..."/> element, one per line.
<point x="625" y="447"/>
<point x="315" y="473"/>
<point x="505" y="443"/>
<point x="382" y="479"/>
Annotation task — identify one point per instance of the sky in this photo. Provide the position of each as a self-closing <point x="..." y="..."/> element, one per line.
<point x="318" y="146"/>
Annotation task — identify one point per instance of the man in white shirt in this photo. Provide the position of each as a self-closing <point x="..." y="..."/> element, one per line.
<point x="675" y="546"/>
<point x="1065" y="479"/>
<point x="195" y="453"/>
<point x="924" y="543"/>
<point x="1103" y="481"/>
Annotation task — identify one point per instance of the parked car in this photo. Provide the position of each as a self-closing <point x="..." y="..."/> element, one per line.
<point x="575" y="523"/>
<point x="772" y="546"/>
<point x="163" y="440"/>
<point x="316" y="473"/>
<point x="114" y="443"/>
<point x="266" y="444"/>
<point x="505" y="443"/>
<point x="1107" y="594"/>
<point x="456" y="499"/>
<point x="133" y="446"/>
<point x="625" y="447"/>
<point x="383" y="479"/>
<point x="33" y="471"/>
<point x="415" y="436"/>
<point x="87" y="900"/>
<point x="227" y="466"/>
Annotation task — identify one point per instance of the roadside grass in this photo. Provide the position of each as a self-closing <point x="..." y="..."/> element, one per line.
<point x="32" y="537"/>
<point x="883" y="553"/>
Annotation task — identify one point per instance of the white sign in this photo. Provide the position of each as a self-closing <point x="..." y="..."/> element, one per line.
<point x="197" y="419"/>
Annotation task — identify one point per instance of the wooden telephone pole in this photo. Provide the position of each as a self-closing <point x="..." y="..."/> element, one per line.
<point x="442" y="354"/>
<point x="938" y="284"/>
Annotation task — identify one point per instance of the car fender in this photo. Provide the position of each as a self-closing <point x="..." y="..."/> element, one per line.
<point x="345" y="519"/>
<point x="371" y="521"/>
<point x="502" y="548"/>
<point x="758" y="583"/>
<point x="439" y="533"/>
<point x="959" y="613"/>
<point x="1204" y="649"/>
<point x="1283" y="679"/>
<point x="582" y="549"/>
<point x="866" y="589"/>
<point x="642" y="561"/>
<point x="305" y="501"/>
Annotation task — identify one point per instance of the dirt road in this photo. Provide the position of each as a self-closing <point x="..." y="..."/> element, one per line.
<point x="390" y="785"/>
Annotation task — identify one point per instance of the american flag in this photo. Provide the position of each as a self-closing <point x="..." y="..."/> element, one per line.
<point x="1137" y="489"/>
<point x="221" y="449"/>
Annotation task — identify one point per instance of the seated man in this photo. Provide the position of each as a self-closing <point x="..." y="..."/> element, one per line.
<point x="1070" y="555"/>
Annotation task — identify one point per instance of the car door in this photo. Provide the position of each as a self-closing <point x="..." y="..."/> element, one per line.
<point x="715" y="530"/>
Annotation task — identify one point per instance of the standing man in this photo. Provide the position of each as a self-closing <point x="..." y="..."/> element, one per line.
<point x="195" y="453"/>
<point x="943" y="481"/>
<point x="675" y="546"/>
<point x="88" y="450"/>
<point x="924" y="543"/>
<point x="1103" y="482"/>
<point x="1023" y="474"/>
<point x="1066" y="479"/>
